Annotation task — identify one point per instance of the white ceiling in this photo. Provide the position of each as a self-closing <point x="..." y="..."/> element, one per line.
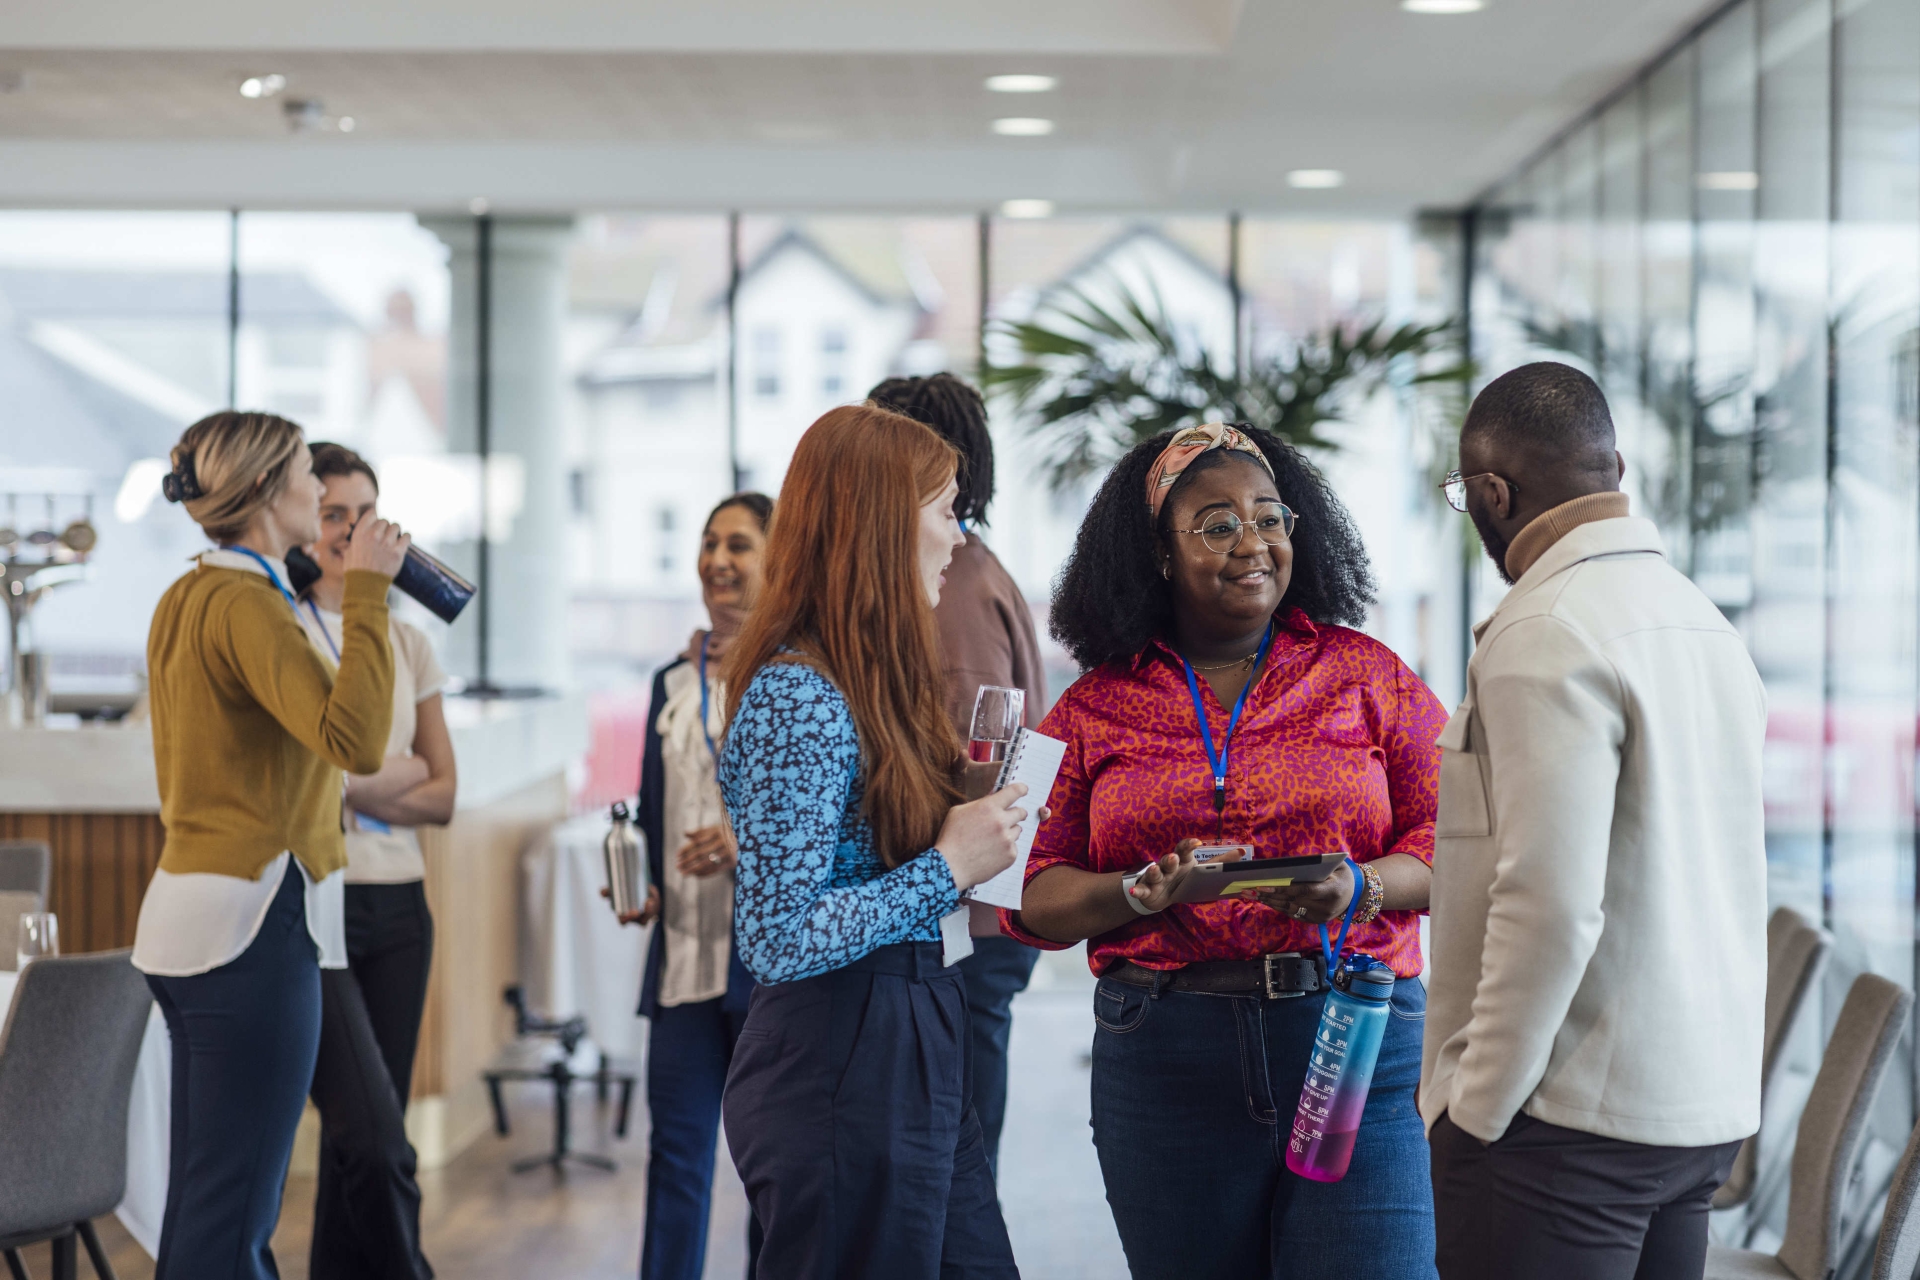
<point x="876" y="104"/>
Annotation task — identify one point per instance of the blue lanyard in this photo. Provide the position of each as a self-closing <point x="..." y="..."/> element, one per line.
<point x="324" y="635"/>
<point x="1219" y="759"/>
<point x="1330" y="949"/>
<point x="711" y="749"/>
<point x="268" y="570"/>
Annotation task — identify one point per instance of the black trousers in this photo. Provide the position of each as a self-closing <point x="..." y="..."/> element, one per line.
<point x="366" y="1210"/>
<point x="1557" y="1204"/>
<point x="848" y="1114"/>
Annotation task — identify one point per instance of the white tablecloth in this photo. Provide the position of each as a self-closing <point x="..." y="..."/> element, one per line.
<point x="576" y="957"/>
<point x="148" y="1113"/>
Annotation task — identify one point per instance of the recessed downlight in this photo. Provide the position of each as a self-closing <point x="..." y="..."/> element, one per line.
<point x="478" y="206"/>
<point x="1021" y="83"/>
<point x="346" y="124"/>
<point x="1026" y="209"/>
<point x="1315" y="179"/>
<point x="1443" y="6"/>
<point x="262" y="86"/>
<point x="1022" y="127"/>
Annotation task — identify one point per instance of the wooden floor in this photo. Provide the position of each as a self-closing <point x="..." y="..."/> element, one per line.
<point x="481" y="1221"/>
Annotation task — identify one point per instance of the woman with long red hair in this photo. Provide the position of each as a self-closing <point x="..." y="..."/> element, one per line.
<point x="847" y="1106"/>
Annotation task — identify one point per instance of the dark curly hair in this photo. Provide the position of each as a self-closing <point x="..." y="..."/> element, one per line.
<point x="957" y="412"/>
<point x="1110" y="599"/>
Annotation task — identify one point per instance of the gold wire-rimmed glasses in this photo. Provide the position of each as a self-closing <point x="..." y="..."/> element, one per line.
<point x="1272" y="523"/>
<point x="1455" y="487"/>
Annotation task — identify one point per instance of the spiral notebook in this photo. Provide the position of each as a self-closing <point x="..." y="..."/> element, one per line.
<point x="1035" y="760"/>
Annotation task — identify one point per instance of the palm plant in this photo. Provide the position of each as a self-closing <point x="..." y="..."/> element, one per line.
<point x="1097" y="378"/>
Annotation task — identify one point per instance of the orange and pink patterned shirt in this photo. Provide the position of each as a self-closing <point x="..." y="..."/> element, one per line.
<point x="1335" y="750"/>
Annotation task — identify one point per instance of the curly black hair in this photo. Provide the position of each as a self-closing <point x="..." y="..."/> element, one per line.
<point x="957" y="412"/>
<point x="1111" y="600"/>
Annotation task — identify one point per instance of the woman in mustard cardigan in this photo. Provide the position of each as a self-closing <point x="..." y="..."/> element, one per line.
<point x="250" y="734"/>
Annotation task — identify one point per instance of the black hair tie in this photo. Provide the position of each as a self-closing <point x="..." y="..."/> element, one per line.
<point x="180" y="484"/>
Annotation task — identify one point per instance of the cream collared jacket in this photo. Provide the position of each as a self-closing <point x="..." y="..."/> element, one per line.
<point x="1598" y="954"/>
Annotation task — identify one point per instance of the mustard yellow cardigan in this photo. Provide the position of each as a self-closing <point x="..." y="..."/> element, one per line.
<point x="251" y="729"/>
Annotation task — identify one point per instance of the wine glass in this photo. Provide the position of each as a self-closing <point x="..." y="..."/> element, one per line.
<point x="997" y="712"/>
<point x="39" y="936"/>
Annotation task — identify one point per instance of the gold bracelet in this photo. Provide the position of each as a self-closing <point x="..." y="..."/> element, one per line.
<point x="1375" y="895"/>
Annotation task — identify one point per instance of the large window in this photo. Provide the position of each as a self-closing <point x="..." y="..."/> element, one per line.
<point x="1758" y="330"/>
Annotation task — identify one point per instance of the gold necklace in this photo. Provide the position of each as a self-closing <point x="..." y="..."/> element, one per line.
<point x="1225" y="666"/>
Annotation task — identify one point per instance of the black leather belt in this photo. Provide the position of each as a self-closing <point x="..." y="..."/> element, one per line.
<point x="1285" y="976"/>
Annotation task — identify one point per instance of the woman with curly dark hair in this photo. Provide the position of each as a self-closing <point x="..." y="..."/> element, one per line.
<point x="1226" y="701"/>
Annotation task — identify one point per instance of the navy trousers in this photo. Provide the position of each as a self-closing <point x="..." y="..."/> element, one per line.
<point x="366" y="1208"/>
<point x="848" y="1114"/>
<point x="244" y="1040"/>
<point x="996" y="972"/>
<point x="688" y="1052"/>
<point x="1193" y="1102"/>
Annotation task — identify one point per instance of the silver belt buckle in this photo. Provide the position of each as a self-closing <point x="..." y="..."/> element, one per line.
<point x="1266" y="976"/>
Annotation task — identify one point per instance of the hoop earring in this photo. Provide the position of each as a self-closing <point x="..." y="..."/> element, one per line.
<point x="1166" y="571"/>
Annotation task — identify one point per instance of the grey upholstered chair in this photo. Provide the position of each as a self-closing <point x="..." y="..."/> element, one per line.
<point x="67" y="1054"/>
<point x="26" y="866"/>
<point x="1897" y="1256"/>
<point x="1832" y="1129"/>
<point x="1796" y="956"/>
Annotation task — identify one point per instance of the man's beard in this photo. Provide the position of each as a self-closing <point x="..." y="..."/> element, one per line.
<point x="1496" y="546"/>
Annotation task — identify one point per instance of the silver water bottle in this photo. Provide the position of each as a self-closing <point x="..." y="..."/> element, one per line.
<point x="626" y="870"/>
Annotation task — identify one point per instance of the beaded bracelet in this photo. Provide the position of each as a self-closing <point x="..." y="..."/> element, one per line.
<point x="1374" y="895"/>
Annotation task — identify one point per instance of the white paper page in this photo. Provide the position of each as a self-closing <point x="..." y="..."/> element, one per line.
<point x="1035" y="760"/>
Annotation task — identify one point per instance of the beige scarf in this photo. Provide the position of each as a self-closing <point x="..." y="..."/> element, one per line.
<point x="697" y="911"/>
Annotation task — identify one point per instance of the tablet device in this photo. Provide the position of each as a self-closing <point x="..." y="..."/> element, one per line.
<point x="1211" y="880"/>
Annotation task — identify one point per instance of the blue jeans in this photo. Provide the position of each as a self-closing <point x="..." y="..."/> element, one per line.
<point x="996" y="972"/>
<point x="688" y="1052"/>
<point x="244" y="1040"/>
<point x="1193" y="1100"/>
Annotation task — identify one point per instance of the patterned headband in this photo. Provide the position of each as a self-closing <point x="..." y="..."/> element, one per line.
<point x="1187" y="444"/>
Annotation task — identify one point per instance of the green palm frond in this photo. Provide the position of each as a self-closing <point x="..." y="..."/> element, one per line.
<point x="1096" y="378"/>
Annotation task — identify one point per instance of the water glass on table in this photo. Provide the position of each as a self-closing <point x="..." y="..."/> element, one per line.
<point x="39" y="936"/>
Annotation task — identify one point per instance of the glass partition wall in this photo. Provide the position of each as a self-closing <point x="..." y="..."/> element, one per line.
<point x="1752" y="202"/>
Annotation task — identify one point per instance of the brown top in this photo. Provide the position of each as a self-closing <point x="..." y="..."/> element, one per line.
<point x="1549" y="527"/>
<point x="986" y="635"/>
<point x="251" y="728"/>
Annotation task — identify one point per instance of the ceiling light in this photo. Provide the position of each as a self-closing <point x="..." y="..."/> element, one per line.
<point x="1315" y="179"/>
<point x="262" y="86"/>
<point x="1443" y="6"/>
<point x="1021" y="84"/>
<point x="345" y="124"/>
<point x="1022" y="127"/>
<point x="478" y="206"/>
<point x="1729" y="180"/>
<point x="1027" y="209"/>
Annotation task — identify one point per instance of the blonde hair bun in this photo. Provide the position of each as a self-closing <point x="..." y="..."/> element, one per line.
<point x="229" y="466"/>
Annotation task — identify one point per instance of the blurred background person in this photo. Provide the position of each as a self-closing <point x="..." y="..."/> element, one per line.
<point x="695" y="990"/>
<point x="986" y="637"/>
<point x="366" y="1211"/>
<point x="847" y="1107"/>
<point x="251" y="730"/>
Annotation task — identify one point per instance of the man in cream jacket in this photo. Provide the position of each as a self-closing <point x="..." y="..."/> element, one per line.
<point x="1598" y="968"/>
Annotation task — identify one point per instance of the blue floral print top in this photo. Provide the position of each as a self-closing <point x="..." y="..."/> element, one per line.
<point x="811" y="895"/>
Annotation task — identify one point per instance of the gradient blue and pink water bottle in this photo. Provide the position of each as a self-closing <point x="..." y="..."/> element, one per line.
<point x="1345" y="1049"/>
